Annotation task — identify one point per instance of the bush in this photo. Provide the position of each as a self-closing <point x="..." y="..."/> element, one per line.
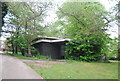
<point x="83" y="51"/>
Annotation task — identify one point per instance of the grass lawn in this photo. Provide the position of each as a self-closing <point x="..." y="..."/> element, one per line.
<point x="73" y="69"/>
<point x="76" y="70"/>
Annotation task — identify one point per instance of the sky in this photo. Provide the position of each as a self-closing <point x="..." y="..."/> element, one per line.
<point x="113" y="31"/>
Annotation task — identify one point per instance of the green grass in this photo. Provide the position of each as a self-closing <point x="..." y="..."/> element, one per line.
<point x="8" y="52"/>
<point x="19" y="55"/>
<point x="78" y="70"/>
<point x="74" y="69"/>
<point x="114" y="61"/>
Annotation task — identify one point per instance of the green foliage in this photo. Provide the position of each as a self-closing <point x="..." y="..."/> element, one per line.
<point x="83" y="51"/>
<point x="84" y="23"/>
<point x="22" y="42"/>
<point x="82" y="18"/>
<point x="26" y="19"/>
<point x="113" y="48"/>
<point x="4" y="11"/>
<point x="55" y="29"/>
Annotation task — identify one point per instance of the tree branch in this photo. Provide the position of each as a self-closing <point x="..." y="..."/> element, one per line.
<point x="68" y="14"/>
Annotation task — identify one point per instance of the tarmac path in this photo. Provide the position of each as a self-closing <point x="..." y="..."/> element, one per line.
<point x="0" y="67"/>
<point x="13" y="68"/>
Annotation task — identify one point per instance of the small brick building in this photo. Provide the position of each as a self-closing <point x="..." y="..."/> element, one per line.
<point x="51" y="46"/>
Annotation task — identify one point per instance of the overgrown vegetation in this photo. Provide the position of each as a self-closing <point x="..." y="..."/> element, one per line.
<point x="85" y="23"/>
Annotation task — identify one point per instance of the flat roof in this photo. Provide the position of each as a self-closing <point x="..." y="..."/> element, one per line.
<point x="43" y="40"/>
<point x="52" y="39"/>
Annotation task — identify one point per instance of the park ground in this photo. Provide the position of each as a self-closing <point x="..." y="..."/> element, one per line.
<point x="64" y="69"/>
<point x="75" y="70"/>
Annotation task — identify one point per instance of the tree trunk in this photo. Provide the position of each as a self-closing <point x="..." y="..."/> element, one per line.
<point x="29" y="51"/>
<point x="22" y="51"/>
<point x="16" y="45"/>
<point x="13" y="50"/>
<point x="16" y="49"/>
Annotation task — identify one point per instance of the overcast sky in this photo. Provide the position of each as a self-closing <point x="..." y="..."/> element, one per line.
<point x="114" y="27"/>
<point x="108" y="5"/>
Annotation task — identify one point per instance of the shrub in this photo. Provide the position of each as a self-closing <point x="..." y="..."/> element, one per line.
<point x="79" y="50"/>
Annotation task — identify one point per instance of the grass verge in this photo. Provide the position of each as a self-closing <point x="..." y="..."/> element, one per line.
<point x="19" y="55"/>
<point x="77" y="70"/>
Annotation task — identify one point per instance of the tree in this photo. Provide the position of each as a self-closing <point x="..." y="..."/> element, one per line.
<point x="119" y="29"/>
<point x="86" y="23"/>
<point x="116" y="9"/>
<point x="26" y="18"/>
<point x="3" y="12"/>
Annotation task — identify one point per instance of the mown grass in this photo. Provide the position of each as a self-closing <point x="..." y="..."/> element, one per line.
<point x="78" y="70"/>
<point x="74" y="69"/>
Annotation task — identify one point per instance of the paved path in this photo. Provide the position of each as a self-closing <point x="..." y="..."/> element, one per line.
<point x="13" y="68"/>
<point x="0" y="67"/>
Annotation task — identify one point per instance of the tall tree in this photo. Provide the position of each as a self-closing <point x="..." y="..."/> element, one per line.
<point x="86" y="23"/>
<point x="27" y="18"/>
<point x="3" y="12"/>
